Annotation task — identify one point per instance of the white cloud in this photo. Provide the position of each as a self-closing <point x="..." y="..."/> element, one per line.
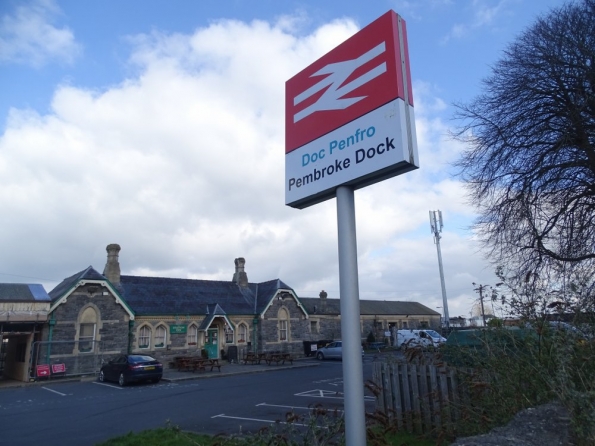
<point x="482" y="14"/>
<point x="183" y="166"/>
<point x="29" y="37"/>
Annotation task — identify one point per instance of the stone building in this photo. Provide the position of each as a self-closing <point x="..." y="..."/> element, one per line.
<point x="93" y="316"/>
<point x="164" y="317"/>
<point x="378" y="317"/>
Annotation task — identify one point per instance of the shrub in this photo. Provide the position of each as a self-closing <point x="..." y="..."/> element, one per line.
<point x="505" y="370"/>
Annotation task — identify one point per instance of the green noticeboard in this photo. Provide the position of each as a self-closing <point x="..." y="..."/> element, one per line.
<point x="177" y="329"/>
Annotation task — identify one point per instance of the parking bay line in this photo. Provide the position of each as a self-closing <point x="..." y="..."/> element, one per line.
<point x="326" y="394"/>
<point x="55" y="391"/>
<point x="292" y="407"/>
<point x="257" y="419"/>
<point x="107" y="385"/>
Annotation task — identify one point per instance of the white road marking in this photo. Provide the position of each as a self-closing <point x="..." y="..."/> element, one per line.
<point x="108" y="385"/>
<point x="257" y="419"/>
<point x="321" y="394"/>
<point x="55" y="391"/>
<point x="288" y="407"/>
<point x="327" y="394"/>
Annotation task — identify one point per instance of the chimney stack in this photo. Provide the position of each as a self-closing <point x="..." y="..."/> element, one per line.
<point x="112" y="267"/>
<point x="240" y="277"/>
<point x="323" y="294"/>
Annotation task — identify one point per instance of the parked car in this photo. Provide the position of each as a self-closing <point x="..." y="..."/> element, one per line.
<point x="129" y="368"/>
<point x="419" y="338"/>
<point x="334" y="350"/>
<point x="566" y="331"/>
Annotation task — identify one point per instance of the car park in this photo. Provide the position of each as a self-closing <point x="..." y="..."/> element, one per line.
<point x="334" y="350"/>
<point x="131" y="368"/>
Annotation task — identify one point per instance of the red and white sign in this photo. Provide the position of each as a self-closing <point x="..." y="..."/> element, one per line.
<point x="359" y="75"/>
<point x="43" y="370"/>
<point x="326" y="142"/>
<point x="58" y="368"/>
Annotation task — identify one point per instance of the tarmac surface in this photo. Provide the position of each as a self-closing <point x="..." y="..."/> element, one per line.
<point x="173" y="375"/>
<point x="228" y="369"/>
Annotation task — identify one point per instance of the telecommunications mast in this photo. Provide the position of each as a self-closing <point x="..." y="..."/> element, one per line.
<point x="436" y="224"/>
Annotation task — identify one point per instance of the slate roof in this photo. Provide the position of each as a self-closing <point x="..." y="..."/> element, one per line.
<point x="160" y="295"/>
<point x="23" y="292"/>
<point x="148" y="296"/>
<point x="329" y="307"/>
<point x="70" y="282"/>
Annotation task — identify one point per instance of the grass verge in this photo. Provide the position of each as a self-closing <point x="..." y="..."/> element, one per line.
<point x="173" y="436"/>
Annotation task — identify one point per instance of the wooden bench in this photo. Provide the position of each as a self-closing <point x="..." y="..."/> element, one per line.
<point x="273" y="357"/>
<point x="251" y="358"/>
<point x="198" y="364"/>
<point x="277" y="358"/>
<point x="213" y="363"/>
<point x="182" y="363"/>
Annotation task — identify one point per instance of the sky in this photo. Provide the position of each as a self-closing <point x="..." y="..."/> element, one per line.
<point x="160" y="126"/>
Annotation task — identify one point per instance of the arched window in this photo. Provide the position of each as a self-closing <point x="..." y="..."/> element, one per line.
<point x="87" y="330"/>
<point x="144" y="337"/>
<point x="283" y="318"/>
<point x="242" y="333"/>
<point x="160" y="336"/>
<point x="192" y="337"/>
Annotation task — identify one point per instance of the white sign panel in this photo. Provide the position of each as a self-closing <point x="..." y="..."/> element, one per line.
<point x="370" y="146"/>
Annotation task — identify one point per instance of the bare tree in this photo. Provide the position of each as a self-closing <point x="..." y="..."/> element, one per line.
<point x="559" y="288"/>
<point x="530" y="162"/>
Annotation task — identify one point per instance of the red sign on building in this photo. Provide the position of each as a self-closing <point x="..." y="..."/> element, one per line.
<point x="58" y="368"/>
<point x="43" y="370"/>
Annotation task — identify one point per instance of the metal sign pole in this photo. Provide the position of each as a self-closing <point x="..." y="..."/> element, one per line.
<point x="353" y="376"/>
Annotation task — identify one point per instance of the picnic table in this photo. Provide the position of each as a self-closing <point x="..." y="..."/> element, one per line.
<point x="195" y="363"/>
<point x="203" y="363"/>
<point x="278" y="357"/>
<point x="183" y="363"/>
<point x="254" y="358"/>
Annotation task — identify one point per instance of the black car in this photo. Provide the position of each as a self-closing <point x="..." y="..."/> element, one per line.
<point x="129" y="368"/>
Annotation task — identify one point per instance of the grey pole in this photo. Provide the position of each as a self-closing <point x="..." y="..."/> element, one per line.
<point x="436" y="225"/>
<point x="444" y="301"/>
<point x="353" y="376"/>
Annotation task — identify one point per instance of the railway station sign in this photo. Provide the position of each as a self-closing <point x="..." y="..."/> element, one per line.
<point x="349" y="115"/>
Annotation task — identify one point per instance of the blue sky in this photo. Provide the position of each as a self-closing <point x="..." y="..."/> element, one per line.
<point x="159" y="126"/>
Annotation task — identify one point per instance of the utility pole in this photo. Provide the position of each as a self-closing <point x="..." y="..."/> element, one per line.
<point x="480" y="290"/>
<point x="436" y="225"/>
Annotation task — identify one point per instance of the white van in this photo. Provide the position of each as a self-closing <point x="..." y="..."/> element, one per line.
<point x="418" y="338"/>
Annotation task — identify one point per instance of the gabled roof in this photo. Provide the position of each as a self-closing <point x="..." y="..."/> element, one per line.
<point x="23" y="292"/>
<point x="70" y="282"/>
<point x="329" y="307"/>
<point x="160" y="295"/>
<point x="68" y="285"/>
<point x="212" y="313"/>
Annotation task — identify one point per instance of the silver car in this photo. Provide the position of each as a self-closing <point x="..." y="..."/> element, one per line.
<point x="334" y="350"/>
